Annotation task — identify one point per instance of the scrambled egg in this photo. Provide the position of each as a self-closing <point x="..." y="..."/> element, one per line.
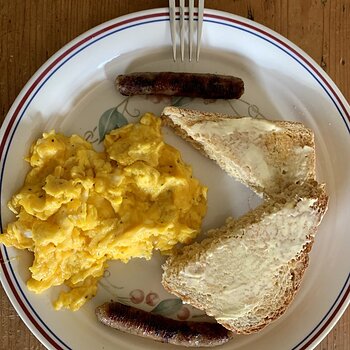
<point x="79" y="208"/>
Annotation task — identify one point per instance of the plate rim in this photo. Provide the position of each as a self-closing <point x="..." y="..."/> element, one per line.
<point x="162" y="14"/>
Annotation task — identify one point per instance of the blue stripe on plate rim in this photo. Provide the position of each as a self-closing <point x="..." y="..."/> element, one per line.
<point x="221" y="18"/>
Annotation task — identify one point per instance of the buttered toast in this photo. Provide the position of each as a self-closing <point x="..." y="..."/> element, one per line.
<point x="264" y="155"/>
<point x="248" y="271"/>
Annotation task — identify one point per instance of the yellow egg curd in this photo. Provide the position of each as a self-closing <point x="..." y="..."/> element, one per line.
<point x="79" y="208"/>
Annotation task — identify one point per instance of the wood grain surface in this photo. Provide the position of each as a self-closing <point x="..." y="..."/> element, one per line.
<point x="32" y="30"/>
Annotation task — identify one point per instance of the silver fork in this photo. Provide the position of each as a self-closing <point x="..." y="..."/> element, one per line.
<point x="172" y="15"/>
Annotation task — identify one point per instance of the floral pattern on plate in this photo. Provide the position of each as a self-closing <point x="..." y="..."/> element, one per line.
<point x="122" y="113"/>
<point x="150" y="300"/>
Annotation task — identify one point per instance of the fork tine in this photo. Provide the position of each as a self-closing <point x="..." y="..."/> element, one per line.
<point x="190" y="22"/>
<point x="182" y="29"/>
<point x="200" y="25"/>
<point x="172" y="26"/>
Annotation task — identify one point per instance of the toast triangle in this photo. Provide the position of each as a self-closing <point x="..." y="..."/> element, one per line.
<point x="265" y="155"/>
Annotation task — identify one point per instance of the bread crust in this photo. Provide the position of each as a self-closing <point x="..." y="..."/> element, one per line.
<point x="278" y="148"/>
<point x="295" y="268"/>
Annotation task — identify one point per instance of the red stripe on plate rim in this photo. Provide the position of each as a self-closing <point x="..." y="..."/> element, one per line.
<point x="7" y="132"/>
<point x="57" y="60"/>
<point x="295" y="52"/>
<point x="23" y="307"/>
<point x="94" y="35"/>
<point x="329" y="320"/>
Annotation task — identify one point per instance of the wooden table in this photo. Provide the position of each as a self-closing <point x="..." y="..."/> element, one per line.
<point x="32" y="30"/>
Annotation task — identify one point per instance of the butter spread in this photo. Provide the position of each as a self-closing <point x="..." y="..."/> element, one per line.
<point x="240" y="146"/>
<point x="229" y="126"/>
<point x="303" y="163"/>
<point x="251" y="262"/>
<point x="245" y="149"/>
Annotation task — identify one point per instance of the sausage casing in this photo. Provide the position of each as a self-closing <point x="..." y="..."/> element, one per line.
<point x="208" y="86"/>
<point x="145" y="324"/>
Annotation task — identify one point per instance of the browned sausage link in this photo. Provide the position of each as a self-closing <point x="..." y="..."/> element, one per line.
<point x="208" y="86"/>
<point x="138" y="322"/>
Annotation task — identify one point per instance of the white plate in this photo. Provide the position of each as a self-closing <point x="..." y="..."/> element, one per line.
<point x="75" y="87"/>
